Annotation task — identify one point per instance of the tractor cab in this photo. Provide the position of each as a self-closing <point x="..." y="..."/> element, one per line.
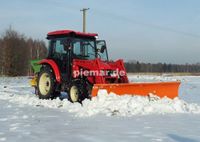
<point x="67" y="45"/>
<point x="76" y="45"/>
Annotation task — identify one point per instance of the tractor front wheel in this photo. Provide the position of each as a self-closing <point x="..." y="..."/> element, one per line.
<point x="77" y="91"/>
<point x="74" y="94"/>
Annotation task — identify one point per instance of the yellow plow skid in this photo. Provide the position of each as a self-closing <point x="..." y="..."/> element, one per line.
<point x="33" y="82"/>
<point x="160" y="89"/>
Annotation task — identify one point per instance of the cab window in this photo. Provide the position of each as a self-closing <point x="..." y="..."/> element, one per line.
<point x="84" y="49"/>
<point x="102" y="50"/>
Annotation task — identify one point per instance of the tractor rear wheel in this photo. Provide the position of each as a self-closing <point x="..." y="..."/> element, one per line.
<point x="46" y="83"/>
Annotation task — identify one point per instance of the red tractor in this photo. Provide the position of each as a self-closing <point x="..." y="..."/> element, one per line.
<point x="78" y="64"/>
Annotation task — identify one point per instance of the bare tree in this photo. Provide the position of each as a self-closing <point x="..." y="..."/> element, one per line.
<point x="16" y="51"/>
<point x="1" y="57"/>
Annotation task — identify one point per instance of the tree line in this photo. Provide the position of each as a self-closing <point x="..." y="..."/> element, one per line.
<point x="137" y="66"/>
<point x="16" y="51"/>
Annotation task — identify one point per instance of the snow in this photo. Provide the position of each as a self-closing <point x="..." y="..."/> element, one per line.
<point x="24" y="117"/>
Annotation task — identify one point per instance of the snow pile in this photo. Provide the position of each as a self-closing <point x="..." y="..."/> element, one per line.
<point x="131" y="105"/>
<point x="108" y="104"/>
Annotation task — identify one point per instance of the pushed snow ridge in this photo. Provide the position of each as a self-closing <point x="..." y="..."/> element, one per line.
<point x="107" y="104"/>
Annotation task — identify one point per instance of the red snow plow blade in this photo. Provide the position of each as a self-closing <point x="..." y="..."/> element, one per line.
<point x="160" y="89"/>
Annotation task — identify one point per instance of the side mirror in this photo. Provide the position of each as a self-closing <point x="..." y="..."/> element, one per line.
<point x="103" y="47"/>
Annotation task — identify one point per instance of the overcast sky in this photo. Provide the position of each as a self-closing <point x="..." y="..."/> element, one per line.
<point x="144" y="30"/>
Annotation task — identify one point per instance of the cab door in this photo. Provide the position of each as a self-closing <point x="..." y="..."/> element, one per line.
<point x="59" y="54"/>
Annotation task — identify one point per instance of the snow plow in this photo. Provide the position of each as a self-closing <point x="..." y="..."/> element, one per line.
<point x="78" y="64"/>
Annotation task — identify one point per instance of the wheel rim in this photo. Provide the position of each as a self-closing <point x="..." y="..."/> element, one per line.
<point x="44" y="84"/>
<point x="74" y="94"/>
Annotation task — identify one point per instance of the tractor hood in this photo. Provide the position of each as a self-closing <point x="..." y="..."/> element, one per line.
<point x="98" y="64"/>
<point x="111" y="70"/>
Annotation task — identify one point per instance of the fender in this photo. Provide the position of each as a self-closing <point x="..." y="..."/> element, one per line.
<point x="54" y="66"/>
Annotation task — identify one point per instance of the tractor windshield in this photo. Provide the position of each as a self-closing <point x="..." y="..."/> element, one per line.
<point x="84" y="48"/>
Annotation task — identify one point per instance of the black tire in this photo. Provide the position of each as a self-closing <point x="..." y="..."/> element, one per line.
<point x="77" y="91"/>
<point x="46" y="83"/>
<point x="89" y="90"/>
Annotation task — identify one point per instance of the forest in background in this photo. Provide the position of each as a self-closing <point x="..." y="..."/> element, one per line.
<point x="17" y="50"/>
<point x="136" y="66"/>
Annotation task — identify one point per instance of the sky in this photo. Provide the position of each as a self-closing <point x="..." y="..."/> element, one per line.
<point x="144" y="30"/>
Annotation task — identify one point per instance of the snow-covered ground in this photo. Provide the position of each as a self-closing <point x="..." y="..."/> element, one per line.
<point x="23" y="117"/>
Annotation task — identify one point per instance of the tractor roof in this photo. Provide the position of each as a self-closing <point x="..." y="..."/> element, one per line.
<point x="70" y="33"/>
